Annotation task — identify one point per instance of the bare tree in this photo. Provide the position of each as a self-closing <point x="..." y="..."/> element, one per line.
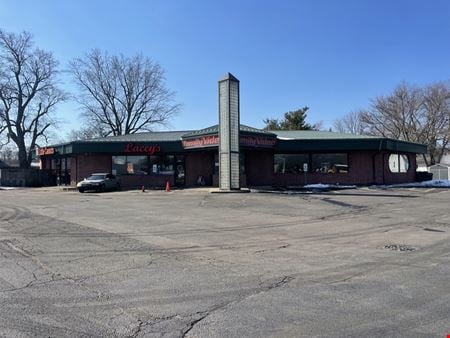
<point x="397" y="115"/>
<point x="122" y="95"/>
<point x="435" y="131"/>
<point x="28" y="93"/>
<point x="413" y="114"/>
<point x="3" y="128"/>
<point x="318" y="126"/>
<point x="8" y="153"/>
<point x="350" y="123"/>
<point x="86" y="133"/>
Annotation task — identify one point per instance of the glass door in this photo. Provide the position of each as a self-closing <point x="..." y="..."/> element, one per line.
<point x="180" y="171"/>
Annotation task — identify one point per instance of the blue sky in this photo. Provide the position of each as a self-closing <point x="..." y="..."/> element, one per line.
<point x="333" y="56"/>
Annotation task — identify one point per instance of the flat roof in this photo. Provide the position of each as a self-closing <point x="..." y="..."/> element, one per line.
<point x="286" y="141"/>
<point x="150" y="136"/>
<point x="317" y="135"/>
<point x="215" y="130"/>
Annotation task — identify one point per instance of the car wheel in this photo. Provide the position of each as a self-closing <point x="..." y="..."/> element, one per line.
<point x="81" y="190"/>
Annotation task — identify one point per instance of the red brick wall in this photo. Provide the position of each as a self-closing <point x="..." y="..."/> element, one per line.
<point x="394" y="178"/>
<point x="199" y="163"/>
<point x="84" y="165"/>
<point x="74" y="171"/>
<point x="378" y="159"/>
<point x="365" y="168"/>
<point x="259" y="168"/>
<point x="44" y="163"/>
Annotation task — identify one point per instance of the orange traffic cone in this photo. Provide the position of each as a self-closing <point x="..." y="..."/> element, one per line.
<point x="167" y="186"/>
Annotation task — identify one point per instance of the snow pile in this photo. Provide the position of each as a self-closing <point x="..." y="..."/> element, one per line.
<point x="424" y="184"/>
<point x="6" y="188"/>
<point x="329" y="186"/>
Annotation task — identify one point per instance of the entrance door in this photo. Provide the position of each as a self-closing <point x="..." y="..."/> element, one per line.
<point x="180" y="173"/>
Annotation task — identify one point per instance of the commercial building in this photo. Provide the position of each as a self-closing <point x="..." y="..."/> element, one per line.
<point x="232" y="155"/>
<point x="267" y="158"/>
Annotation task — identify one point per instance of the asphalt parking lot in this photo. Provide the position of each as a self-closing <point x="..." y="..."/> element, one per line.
<point x="353" y="263"/>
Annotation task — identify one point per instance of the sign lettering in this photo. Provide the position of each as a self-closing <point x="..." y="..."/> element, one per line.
<point x="46" y="151"/>
<point x="137" y="148"/>
<point x="249" y="141"/>
<point x="258" y="141"/>
<point x="205" y="141"/>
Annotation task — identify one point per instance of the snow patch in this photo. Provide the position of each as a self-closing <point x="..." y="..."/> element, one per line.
<point x="424" y="184"/>
<point x="329" y="186"/>
<point x="7" y="188"/>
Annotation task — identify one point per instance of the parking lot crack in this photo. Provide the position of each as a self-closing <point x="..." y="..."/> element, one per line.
<point x="263" y="287"/>
<point x="191" y="325"/>
<point x="138" y="329"/>
<point x="348" y="278"/>
<point x="283" y="246"/>
<point x="142" y="325"/>
<point x="190" y="320"/>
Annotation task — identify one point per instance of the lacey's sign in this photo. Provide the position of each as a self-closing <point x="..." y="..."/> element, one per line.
<point x="138" y="148"/>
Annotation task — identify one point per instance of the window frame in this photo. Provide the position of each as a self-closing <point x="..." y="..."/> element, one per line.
<point x="330" y="173"/>
<point x="310" y="162"/>
<point x="398" y="155"/>
<point x="159" y="157"/>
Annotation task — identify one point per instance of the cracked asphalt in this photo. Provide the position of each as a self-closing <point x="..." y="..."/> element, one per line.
<point x="194" y="264"/>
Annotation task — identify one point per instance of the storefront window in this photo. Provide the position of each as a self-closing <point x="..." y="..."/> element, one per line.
<point x="242" y="163"/>
<point x="56" y="163"/>
<point x="398" y="163"/>
<point x="329" y="163"/>
<point x="137" y="165"/>
<point x="163" y="165"/>
<point x="130" y="165"/>
<point x="143" y="165"/>
<point x="154" y="164"/>
<point x="119" y="165"/>
<point x="290" y="163"/>
<point x="313" y="163"/>
<point x="167" y="164"/>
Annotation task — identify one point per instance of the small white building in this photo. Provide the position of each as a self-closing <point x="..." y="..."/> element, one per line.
<point x="440" y="171"/>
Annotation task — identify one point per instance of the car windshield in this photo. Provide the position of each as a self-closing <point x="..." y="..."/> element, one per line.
<point x="96" y="177"/>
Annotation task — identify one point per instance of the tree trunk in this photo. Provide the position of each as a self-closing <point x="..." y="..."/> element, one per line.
<point x="424" y="156"/>
<point x="23" y="155"/>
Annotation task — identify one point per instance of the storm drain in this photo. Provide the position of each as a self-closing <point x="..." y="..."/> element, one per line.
<point x="399" y="247"/>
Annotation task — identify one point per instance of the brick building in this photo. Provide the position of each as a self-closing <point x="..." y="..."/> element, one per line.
<point x="267" y="158"/>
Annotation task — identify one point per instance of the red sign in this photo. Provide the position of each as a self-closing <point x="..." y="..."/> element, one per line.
<point x="46" y="151"/>
<point x="245" y="140"/>
<point x="205" y="141"/>
<point x="257" y="141"/>
<point x="137" y="148"/>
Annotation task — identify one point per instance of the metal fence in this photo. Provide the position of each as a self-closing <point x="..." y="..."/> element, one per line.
<point x="18" y="177"/>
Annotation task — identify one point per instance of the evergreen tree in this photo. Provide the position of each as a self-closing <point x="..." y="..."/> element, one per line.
<point x="293" y="120"/>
